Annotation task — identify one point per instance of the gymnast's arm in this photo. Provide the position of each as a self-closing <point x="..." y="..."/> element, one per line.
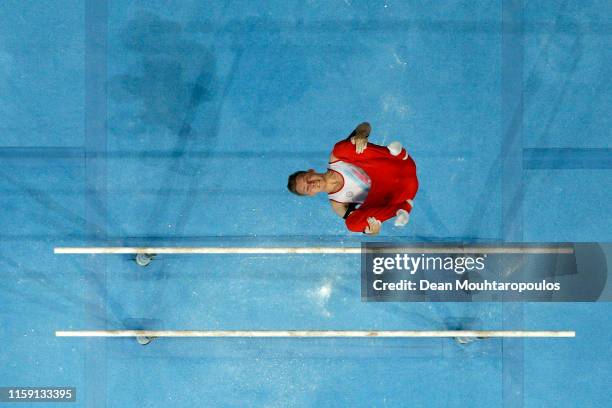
<point x="361" y="131"/>
<point x="360" y="137"/>
<point x="343" y="210"/>
<point x="357" y="221"/>
<point x="339" y="208"/>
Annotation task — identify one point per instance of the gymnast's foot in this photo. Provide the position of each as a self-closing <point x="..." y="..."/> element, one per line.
<point x="395" y="148"/>
<point x="401" y="218"/>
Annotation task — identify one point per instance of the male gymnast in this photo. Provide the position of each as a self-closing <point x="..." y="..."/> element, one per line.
<point x="366" y="184"/>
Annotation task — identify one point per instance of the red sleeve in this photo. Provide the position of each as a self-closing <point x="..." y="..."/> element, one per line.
<point x="357" y="221"/>
<point x="344" y="150"/>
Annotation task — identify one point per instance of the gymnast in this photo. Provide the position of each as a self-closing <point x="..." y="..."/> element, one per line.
<point x="366" y="184"/>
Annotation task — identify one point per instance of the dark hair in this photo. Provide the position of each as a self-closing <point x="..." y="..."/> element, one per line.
<point x="291" y="183"/>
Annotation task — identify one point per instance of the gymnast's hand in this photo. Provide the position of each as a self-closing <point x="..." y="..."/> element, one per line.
<point x="360" y="142"/>
<point x="374" y="226"/>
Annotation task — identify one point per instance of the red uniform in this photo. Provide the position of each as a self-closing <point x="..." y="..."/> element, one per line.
<point x="393" y="178"/>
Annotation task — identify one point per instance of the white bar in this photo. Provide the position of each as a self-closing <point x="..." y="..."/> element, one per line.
<point x="310" y="250"/>
<point x="311" y="333"/>
<point x="208" y="250"/>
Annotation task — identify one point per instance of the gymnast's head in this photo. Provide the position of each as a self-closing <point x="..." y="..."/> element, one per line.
<point x="306" y="183"/>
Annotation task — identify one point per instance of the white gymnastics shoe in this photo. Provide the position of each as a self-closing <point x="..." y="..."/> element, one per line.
<point x="401" y="218"/>
<point x="395" y="148"/>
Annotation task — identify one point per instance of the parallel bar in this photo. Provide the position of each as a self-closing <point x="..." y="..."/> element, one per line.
<point x="312" y="333"/>
<point x="312" y="250"/>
